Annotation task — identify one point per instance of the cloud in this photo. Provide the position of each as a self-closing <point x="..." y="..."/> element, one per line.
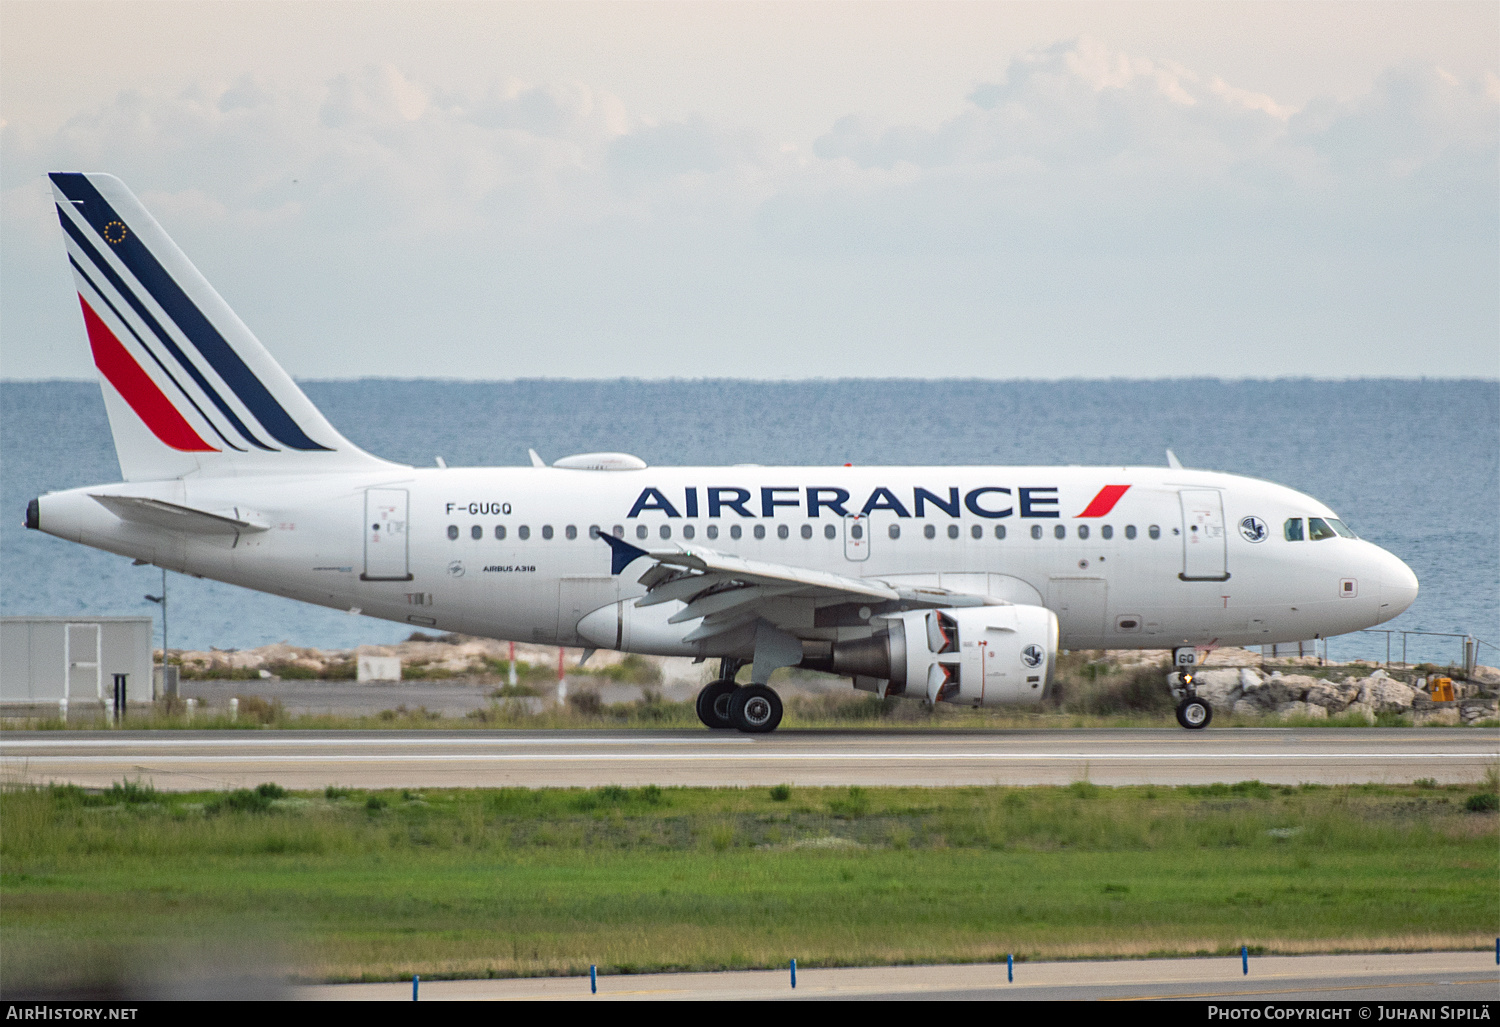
<point x="1113" y="196"/>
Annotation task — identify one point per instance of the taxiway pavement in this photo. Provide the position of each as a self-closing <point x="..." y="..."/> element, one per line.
<point x="187" y="760"/>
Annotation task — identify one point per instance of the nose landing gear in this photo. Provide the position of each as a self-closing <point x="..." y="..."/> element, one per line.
<point x="1193" y="713"/>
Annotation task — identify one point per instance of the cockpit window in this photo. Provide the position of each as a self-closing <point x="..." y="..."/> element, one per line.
<point x="1342" y="528"/>
<point x="1293" y="529"/>
<point x="1318" y="529"/>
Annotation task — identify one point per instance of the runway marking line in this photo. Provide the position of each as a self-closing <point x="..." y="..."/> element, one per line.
<point x="763" y="757"/>
<point x="163" y="743"/>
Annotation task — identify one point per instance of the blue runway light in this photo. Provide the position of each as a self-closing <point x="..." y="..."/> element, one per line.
<point x="1244" y="960"/>
<point x="1010" y="968"/>
<point x="593" y="980"/>
<point x="794" y="973"/>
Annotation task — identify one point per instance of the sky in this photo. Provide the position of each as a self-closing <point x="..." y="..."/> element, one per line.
<point x="781" y="190"/>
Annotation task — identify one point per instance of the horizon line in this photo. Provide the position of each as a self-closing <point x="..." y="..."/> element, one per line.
<point x="1488" y="380"/>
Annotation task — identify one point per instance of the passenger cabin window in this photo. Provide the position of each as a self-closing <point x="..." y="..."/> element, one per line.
<point x="523" y="533"/>
<point x="1318" y="529"/>
<point x="953" y="531"/>
<point x="1107" y="531"/>
<point x="1293" y="529"/>
<point x="1154" y="531"/>
<point x="735" y="531"/>
<point x="1083" y="531"/>
<point x="619" y="531"/>
<point x="666" y="531"/>
<point x="499" y="533"/>
<point x="977" y="531"/>
<point x="807" y="531"/>
<point x="1059" y="532"/>
<point x="547" y="531"/>
<point x="571" y="531"/>
<point x="1130" y="531"/>
<point x="593" y="531"/>
<point x="688" y="531"/>
<point x="760" y="531"/>
<point x="641" y="531"/>
<point x="929" y="532"/>
<point x="1036" y="531"/>
<point x="476" y="533"/>
<point x="782" y="531"/>
<point x="830" y="532"/>
<point x="895" y="531"/>
<point x="712" y="531"/>
<point x="999" y="531"/>
<point x="453" y="531"/>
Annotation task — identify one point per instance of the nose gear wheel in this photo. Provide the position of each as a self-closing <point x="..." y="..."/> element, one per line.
<point x="1194" y="713"/>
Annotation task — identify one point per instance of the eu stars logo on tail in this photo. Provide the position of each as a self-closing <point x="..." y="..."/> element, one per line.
<point x="187" y="386"/>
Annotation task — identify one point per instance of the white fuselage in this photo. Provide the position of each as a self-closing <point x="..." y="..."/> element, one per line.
<point x="1171" y="562"/>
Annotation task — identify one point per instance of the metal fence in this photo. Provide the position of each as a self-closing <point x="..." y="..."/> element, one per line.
<point x="1404" y="648"/>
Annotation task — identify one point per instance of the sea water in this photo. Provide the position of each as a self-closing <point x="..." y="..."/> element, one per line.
<point x="1414" y="466"/>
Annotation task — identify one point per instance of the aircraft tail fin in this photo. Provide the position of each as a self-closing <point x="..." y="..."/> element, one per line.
<point x="188" y="387"/>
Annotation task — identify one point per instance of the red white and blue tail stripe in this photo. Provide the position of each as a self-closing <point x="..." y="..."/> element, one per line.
<point x="173" y="358"/>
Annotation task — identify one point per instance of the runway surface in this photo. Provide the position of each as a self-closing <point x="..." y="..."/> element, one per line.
<point x="1359" y="980"/>
<point x="183" y="760"/>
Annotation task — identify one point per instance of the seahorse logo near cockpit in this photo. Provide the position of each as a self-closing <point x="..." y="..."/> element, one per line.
<point x="1253" y="529"/>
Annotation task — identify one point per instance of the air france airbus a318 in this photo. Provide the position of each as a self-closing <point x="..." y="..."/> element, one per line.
<point x="944" y="584"/>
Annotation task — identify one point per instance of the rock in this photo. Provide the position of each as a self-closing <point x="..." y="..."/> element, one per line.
<point x="1361" y="709"/>
<point x="1329" y="696"/>
<point x="1387" y="695"/>
<point x="1296" y="686"/>
<point x="1249" y="680"/>
<point x="1300" y="709"/>
<point x="1485" y="675"/>
<point x="1245" y="708"/>
<point x="1445" y="715"/>
<point x="1379" y="674"/>
<point x="1218" y="686"/>
<point x="1472" y="710"/>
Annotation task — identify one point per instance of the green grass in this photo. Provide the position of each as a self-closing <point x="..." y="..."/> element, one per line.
<point x="347" y="884"/>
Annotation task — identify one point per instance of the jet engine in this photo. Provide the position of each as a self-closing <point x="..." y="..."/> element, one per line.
<point x="984" y="655"/>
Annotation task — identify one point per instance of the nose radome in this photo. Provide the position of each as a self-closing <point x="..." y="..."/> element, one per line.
<point x="1398" y="586"/>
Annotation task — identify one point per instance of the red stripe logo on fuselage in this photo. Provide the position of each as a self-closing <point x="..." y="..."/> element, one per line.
<point x="137" y="388"/>
<point x="1105" y="501"/>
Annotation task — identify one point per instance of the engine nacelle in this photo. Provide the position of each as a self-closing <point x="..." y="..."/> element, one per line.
<point x="983" y="655"/>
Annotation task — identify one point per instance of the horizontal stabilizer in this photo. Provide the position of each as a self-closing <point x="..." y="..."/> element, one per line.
<point x="172" y="517"/>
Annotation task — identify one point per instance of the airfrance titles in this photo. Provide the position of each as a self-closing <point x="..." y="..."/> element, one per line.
<point x="990" y="501"/>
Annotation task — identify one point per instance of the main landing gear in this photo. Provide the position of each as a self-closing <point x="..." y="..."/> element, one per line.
<point x="1193" y="713"/>
<point x="755" y="709"/>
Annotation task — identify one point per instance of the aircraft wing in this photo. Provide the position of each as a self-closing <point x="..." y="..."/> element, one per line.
<point x="729" y="592"/>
